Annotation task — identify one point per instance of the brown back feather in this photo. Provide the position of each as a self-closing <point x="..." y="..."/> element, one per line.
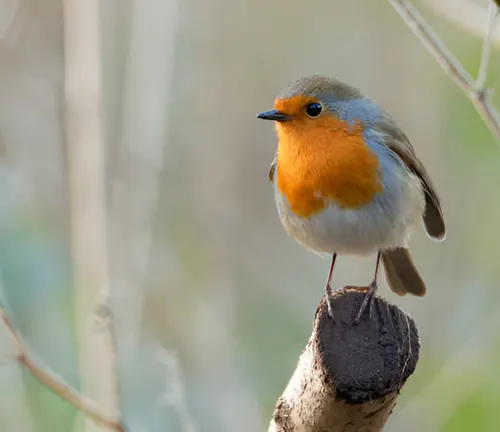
<point x="398" y="142"/>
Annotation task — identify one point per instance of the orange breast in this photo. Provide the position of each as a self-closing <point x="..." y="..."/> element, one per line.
<point x="325" y="159"/>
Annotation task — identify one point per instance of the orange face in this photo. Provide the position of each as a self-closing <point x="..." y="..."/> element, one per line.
<point x="321" y="159"/>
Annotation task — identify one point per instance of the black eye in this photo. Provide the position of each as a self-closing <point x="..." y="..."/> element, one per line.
<point x="314" y="109"/>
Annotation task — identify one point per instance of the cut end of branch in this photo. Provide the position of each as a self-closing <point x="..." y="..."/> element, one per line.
<point x="369" y="360"/>
<point x="349" y="376"/>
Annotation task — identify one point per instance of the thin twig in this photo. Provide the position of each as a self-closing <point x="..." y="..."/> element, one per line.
<point x="175" y="398"/>
<point x="54" y="382"/>
<point x="469" y="15"/>
<point x="485" y="55"/>
<point x="478" y="96"/>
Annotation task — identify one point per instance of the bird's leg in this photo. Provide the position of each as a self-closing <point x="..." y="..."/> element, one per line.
<point x="369" y="295"/>
<point x="328" y="287"/>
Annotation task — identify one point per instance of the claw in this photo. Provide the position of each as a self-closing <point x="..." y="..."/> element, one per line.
<point x="328" y="288"/>
<point x="367" y="302"/>
<point x="328" y="296"/>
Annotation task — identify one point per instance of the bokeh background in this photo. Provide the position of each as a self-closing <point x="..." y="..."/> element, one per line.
<point x="199" y="262"/>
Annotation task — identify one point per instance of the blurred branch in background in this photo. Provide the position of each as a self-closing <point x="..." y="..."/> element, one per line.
<point x="485" y="55"/>
<point x="87" y="204"/>
<point x="474" y="89"/>
<point x="175" y="397"/>
<point x="467" y="14"/>
<point x="8" y="13"/>
<point x="50" y="379"/>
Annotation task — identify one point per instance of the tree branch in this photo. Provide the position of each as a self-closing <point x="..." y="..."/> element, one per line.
<point x="475" y="91"/>
<point x="55" y="383"/>
<point x="348" y="377"/>
<point x="85" y="151"/>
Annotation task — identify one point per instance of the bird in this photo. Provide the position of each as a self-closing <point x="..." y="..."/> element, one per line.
<point x="347" y="181"/>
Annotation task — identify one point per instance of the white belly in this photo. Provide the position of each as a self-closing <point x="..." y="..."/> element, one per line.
<point x="384" y="223"/>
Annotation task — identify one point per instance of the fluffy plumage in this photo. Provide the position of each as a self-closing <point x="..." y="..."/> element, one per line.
<point x="349" y="181"/>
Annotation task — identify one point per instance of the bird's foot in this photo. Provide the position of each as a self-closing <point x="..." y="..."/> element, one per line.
<point x="367" y="302"/>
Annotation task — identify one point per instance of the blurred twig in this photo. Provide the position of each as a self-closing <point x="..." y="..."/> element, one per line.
<point x="485" y="55"/>
<point x="470" y="15"/>
<point x="87" y="205"/>
<point x="175" y="397"/>
<point x="50" y="379"/>
<point x="475" y="90"/>
<point x="9" y="11"/>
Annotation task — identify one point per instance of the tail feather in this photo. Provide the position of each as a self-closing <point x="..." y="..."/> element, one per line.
<point x="400" y="272"/>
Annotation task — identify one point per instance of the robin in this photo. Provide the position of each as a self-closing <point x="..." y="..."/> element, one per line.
<point x="347" y="181"/>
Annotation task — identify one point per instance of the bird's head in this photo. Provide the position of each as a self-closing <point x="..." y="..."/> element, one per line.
<point x="315" y="105"/>
<point x="322" y="151"/>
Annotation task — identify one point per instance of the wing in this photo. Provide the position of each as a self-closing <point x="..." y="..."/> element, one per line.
<point x="272" y="168"/>
<point x="399" y="143"/>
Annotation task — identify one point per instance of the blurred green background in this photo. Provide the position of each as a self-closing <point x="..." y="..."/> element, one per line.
<point x="199" y="262"/>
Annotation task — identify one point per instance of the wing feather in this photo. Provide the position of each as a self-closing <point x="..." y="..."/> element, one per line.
<point x="272" y="168"/>
<point x="399" y="143"/>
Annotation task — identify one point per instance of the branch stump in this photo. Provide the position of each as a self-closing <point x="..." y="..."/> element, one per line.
<point x="349" y="376"/>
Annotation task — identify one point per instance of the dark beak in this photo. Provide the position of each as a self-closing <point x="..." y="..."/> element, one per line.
<point x="274" y="115"/>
